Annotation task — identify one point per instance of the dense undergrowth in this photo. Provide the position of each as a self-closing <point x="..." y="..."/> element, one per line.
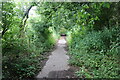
<point x="94" y="48"/>
<point x="96" y="53"/>
<point x="22" y="57"/>
<point x="22" y="60"/>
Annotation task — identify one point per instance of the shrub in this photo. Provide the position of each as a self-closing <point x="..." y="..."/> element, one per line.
<point x="96" y="54"/>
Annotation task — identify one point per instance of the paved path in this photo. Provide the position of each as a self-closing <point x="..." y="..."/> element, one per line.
<point x="57" y="63"/>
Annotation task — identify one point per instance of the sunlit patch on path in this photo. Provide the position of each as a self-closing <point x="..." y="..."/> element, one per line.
<point x="57" y="62"/>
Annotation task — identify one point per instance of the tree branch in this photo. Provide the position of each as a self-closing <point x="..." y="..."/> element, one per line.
<point x="25" y="16"/>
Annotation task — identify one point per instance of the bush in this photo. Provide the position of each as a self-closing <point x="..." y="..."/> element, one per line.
<point x="96" y="54"/>
<point x="22" y="55"/>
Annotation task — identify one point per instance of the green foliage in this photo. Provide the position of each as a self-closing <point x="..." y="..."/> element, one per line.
<point x="94" y="41"/>
<point x="63" y="31"/>
<point x="22" y="66"/>
<point x="93" y="37"/>
<point x="95" y="55"/>
<point x="23" y="48"/>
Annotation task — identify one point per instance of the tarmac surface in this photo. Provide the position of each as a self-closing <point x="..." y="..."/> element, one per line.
<point x="57" y="64"/>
